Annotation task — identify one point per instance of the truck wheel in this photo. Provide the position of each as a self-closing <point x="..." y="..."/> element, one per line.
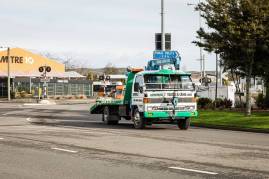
<point x="184" y="124"/>
<point x="108" y="118"/>
<point x="139" y="120"/>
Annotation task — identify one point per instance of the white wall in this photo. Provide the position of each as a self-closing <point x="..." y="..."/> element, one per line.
<point x="223" y="92"/>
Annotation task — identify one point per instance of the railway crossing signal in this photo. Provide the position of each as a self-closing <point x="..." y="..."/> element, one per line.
<point x="44" y="70"/>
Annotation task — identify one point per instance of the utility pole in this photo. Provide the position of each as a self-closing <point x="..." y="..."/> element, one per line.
<point x="201" y="50"/>
<point x="162" y="28"/>
<point x="217" y="77"/>
<point x="8" y="74"/>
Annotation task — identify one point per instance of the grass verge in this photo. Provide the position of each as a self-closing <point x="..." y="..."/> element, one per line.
<point x="233" y="120"/>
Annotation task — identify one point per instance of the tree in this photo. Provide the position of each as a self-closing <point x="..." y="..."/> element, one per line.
<point x="110" y="69"/>
<point x="91" y="75"/>
<point x="237" y="28"/>
<point x="67" y="60"/>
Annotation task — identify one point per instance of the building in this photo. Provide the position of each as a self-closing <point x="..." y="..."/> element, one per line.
<point x="26" y="78"/>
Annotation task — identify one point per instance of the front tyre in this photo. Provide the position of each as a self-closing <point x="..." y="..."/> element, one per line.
<point x="139" y="120"/>
<point x="184" y="124"/>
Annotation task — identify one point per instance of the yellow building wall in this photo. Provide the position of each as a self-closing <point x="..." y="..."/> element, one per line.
<point x="23" y="61"/>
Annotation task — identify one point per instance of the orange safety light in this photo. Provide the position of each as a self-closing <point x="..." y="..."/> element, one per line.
<point x="136" y="70"/>
<point x="120" y="87"/>
<point x="146" y="100"/>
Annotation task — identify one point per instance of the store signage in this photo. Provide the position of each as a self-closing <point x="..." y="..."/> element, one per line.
<point x="17" y="59"/>
<point x="29" y="60"/>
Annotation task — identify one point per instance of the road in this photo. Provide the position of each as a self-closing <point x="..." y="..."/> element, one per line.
<point x="65" y="141"/>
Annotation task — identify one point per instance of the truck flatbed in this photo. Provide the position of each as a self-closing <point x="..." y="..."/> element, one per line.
<point x="97" y="108"/>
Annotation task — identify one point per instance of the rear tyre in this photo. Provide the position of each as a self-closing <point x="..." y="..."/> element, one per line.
<point x="184" y="124"/>
<point x="139" y="120"/>
<point x="108" y="118"/>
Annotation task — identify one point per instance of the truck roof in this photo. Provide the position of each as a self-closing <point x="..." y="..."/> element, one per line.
<point x="164" y="72"/>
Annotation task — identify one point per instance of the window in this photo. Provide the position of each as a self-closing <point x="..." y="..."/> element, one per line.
<point x="139" y="81"/>
<point x="182" y="82"/>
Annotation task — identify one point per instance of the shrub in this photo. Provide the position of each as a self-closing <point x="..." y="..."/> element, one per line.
<point x="266" y="102"/>
<point x="223" y="103"/>
<point x="227" y="103"/>
<point x="23" y="94"/>
<point x="219" y="103"/>
<point x="204" y="103"/>
<point x="13" y="95"/>
<point x="260" y="101"/>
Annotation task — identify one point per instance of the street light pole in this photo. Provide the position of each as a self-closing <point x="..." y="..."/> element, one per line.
<point x="162" y="25"/>
<point x="8" y="74"/>
<point x="202" y="74"/>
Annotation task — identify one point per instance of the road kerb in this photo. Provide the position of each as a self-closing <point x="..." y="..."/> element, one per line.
<point x="266" y="131"/>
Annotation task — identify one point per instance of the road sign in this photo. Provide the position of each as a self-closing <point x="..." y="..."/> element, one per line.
<point x="165" y="55"/>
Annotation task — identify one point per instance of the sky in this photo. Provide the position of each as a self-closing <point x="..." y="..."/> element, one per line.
<point x="93" y="33"/>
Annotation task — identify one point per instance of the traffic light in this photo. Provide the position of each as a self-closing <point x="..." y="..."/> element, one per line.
<point x="107" y="78"/>
<point x="101" y="78"/>
<point x="158" y="41"/>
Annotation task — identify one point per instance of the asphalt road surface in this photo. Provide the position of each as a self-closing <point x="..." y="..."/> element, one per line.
<point x="65" y="141"/>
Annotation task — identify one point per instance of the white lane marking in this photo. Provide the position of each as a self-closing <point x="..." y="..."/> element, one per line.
<point x="193" y="170"/>
<point x="64" y="150"/>
<point x="28" y="119"/>
<point x="5" y="114"/>
<point x="32" y="104"/>
<point x="1" y="138"/>
<point x="8" y="113"/>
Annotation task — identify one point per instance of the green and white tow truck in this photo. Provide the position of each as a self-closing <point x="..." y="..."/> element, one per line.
<point x="152" y="97"/>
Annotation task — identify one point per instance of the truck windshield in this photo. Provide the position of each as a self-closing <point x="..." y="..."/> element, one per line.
<point x="160" y="82"/>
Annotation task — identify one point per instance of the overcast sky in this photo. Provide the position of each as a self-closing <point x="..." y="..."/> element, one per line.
<point x="96" y="32"/>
